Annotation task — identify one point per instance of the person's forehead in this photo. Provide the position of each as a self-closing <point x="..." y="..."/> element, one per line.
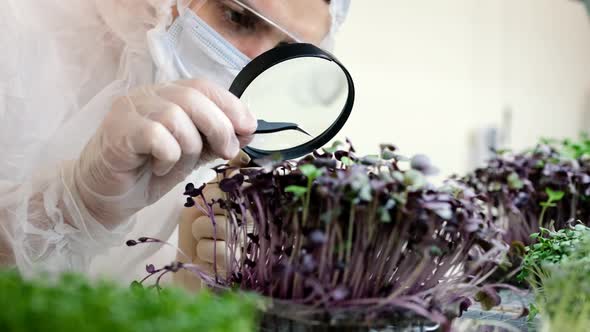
<point x="308" y="19"/>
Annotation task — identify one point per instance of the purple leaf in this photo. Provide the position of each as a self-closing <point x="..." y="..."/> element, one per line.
<point x="191" y="191"/>
<point x="232" y="184"/>
<point x="189" y="202"/>
<point x="422" y="163"/>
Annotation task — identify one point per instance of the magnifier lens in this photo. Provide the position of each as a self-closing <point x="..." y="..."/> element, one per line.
<point x="301" y="95"/>
<point x="309" y="92"/>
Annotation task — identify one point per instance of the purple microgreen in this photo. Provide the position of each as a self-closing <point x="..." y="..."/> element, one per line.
<point x="150" y="268"/>
<point x="232" y="184"/>
<point x="192" y="192"/>
<point x="423" y="164"/>
<point x="355" y="231"/>
<point x="190" y="202"/>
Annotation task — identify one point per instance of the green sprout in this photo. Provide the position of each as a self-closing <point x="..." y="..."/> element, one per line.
<point x="552" y="198"/>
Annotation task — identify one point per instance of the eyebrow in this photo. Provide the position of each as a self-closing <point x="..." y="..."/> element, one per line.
<point x="246" y="4"/>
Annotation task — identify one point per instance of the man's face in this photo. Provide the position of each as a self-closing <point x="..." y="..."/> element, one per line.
<point x="308" y="20"/>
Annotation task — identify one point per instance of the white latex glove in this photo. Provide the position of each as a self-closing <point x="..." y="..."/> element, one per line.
<point x="153" y="139"/>
<point x="196" y="234"/>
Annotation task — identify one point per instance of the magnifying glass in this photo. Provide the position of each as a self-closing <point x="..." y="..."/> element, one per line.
<point x="301" y="95"/>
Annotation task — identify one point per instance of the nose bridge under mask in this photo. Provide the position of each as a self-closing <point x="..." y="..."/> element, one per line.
<point x="200" y="52"/>
<point x="193" y="30"/>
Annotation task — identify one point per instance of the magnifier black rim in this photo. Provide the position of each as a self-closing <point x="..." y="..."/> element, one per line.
<point x="281" y="54"/>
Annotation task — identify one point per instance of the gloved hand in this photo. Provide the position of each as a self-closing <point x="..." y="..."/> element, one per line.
<point x="195" y="234"/>
<point x="151" y="140"/>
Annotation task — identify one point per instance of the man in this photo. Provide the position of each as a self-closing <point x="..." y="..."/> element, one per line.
<point x="107" y="106"/>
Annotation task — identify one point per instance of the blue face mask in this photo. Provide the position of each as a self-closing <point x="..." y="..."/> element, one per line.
<point x="198" y="51"/>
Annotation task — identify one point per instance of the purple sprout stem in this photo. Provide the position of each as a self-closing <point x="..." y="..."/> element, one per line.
<point x="287" y="243"/>
<point x="399" y="230"/>
<point x="327" y="258"/>
<point x="574" y="206"/>
<point x="382" y="262"/>
<point x="409" y="281"/>
<point x="330" y="252"/>
<point x="273" y="259"/>
<point x="241" y="240"/>
<point x="362" y="271"/>
<point x="262" y="222"/>
<point x="297" y="289"/>
<point x="351" y="218"/>
<point x="195" y="269"/>
<point x="324" y="252"/>
<point x="338" y="241"/>
<point x="160" y="278"/>
<point x="150" y="275"/>
<point x="440" y="270"/>
<point x="358" y="265"/>
<point x="254" y="255"/>
<point x="232" y="241"/>
<point x="156" y="241"/>
<point x="211" y="215"/>
<point x="295" y="253"/>
<point x="307" y="202"/>
<point x="358" y="276"/>
<point x="202" y="209"/>
<point x="244" y="212"/>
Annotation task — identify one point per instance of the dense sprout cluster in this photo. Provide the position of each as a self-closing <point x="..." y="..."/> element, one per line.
<point x="559" y="274"/>
<point x="337" y="231"/>
<point x="541" y="188"/>
<point x="552" y="247"/>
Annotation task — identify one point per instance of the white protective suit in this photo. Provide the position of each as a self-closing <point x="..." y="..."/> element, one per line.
<point x="62" y="63"/>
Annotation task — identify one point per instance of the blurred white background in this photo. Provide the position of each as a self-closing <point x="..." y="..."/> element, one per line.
<point x="430" y="75"/>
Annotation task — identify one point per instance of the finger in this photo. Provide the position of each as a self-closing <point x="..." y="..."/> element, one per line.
<point x="161" y="185"/>
<point x="179" y="124"/>
<point x="202" y="228"/>
<point x="245" y="140"/>
<point x="187" y="243"/>
<point x="186" y="240"/>
<point x="242" y="119"/>
<point x="205" y="252"/>
<point x="152" y="138"/>
<point x="208" y="118"/>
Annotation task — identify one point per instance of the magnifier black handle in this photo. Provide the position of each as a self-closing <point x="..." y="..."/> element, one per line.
<point x="265" y="127"/>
